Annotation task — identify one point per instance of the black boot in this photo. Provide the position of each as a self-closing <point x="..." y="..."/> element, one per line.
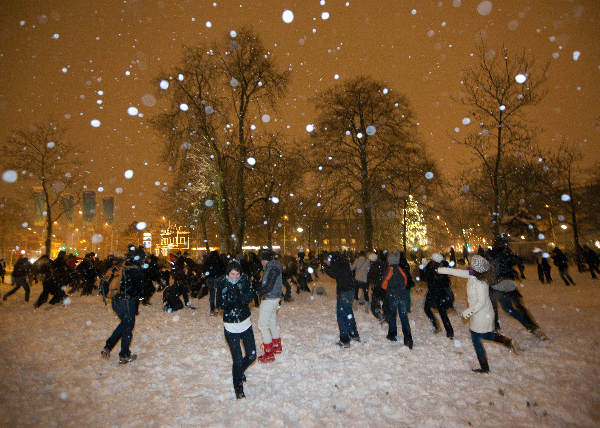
<point x="239" y="392"/>
<point x="484" y="367"/>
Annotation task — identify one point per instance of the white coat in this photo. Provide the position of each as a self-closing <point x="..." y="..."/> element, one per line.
<point x="478" y="295"/>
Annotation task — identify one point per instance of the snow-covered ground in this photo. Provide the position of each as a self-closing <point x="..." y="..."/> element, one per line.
<point x="52" y="374"/>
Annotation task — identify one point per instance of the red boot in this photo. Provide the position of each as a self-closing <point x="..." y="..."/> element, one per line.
<point x="268" y="355"/>
<point x="277" y="346"/>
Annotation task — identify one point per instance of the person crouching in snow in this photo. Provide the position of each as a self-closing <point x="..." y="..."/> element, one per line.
<point x="395" y="283"/>
<point x="270" y="293"/>
<point x="338" y="267"/>
<point x="480" y="309"/>
<point x="234" y="294"/>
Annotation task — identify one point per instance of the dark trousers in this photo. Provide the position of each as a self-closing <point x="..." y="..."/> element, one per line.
<point x="443" y="316"/>
<point x="125" y="310"/>
<point x="564" y="274"/>
<point x="50" y="287"/>
<point x="593" y="269"/>
<point x="20" y="281"/>
<point x="398" y="306"/>
<point x="212" y="292"/>
<point x="345" y="316"/>
<point x="511" y="303"/>
<point x="365" y="288"/>
<point x="241" y="363"/>
<point x="476" y="338"/>
<point x="288" y="289"/>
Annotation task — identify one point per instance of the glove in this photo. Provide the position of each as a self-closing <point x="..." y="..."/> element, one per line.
<point x="467" y="313"/>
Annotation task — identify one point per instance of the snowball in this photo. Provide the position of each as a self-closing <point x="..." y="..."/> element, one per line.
<point x="371" y="130"/>
<point x="164" y="84"/>
<point x="266" y="118"/>
<point x="359" y="135"/>
<point x="336" y="76"/>
<point x="141" y="225"/>
<point x="209" y="203"/>
<point x="576" y="55"/>
<point x="325" y="16"/>
<point x="484" y="8"/>
<point x="66" y="301"/>
<point x="234" y="82"/>
<point x="95" y="123"/>
<point x="180" y="77"/>
<point x="413" y="12"/>
<point x="100" y="189"/>
<point x="183" y="107"/>
<point x="55" y="36"/>
<point x="132" y="111"/>
<point x="349" y="316"/>
<point x="520" y="78"/>
<point x="429" y="175"/>
<point x="287" y="16"/>
<point x="541" y="236"/>
<point x="251" y="161"/>
<point x="310" y="127"/>
<point x="64" y="69"/>
<point x="502" y="107"/>
<point x="466" y="120"/>
<point x="24" y="224"/>
<point x="209" y="110"/>
<point x="128" y="174"/>
<point x="233" y="34"/>
<point x="310" y="270"/>
<point x="565" y="198"/>
<point x="97" y="238"/>
<point x="275" y="199"/>
<point x="9" y="176"/>
<point x="208" y="24"/>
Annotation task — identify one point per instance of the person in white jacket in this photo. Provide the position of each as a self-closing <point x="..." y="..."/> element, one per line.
<point x="361" y="270"/>
<point x="480" y="309"/>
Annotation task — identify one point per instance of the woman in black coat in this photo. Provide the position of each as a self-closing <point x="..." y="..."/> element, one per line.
<point x="234" y="294"/>
<point x="439" y="294"/>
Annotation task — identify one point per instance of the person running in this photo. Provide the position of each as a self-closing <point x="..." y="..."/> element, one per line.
<point x="337" y="267"/>
<point x="270" y="293"/>
<point x="395" y="283"/>
<point x="439" y="294"/>
<point x="131" y="288"/>
<point x="20" y="274"/>
<point x="480" y="310"/>
<point x="562" y="263"/>
<point x="234" y="294"/>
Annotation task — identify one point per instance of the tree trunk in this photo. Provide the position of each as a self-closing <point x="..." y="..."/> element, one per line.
<point x="404" y="225"/>
<point x="496" y="211"/>
<point x="48" y="242"/>
<point x="573" y="206"/>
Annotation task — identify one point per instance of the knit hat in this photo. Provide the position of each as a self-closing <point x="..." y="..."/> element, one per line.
<point x="394" y="258"/>
<point x="479" y="264"/>
<point x="437" y="257"/>
<point x="267" y="254"/>
<point x="372" y="257"/>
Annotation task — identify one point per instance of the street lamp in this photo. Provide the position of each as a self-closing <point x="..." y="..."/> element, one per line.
<point x="285" y="218"/>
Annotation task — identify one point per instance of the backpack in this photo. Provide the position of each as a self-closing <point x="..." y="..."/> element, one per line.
<point x="388" y="276"/>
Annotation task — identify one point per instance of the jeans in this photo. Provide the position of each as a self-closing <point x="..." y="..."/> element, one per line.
<point x="476" y="338"/>
<point x="288" y="289"/>
<point x="511" y="303"/>
<point x="345" y="316"/>
<point x="365" y="288"/>
<point x="564" y="274"/>
<point x="443" y="316"/>
<point x="20" y="281"/>
<point x="398" y="305"/>
<point x="125" y="310"/>
<point x="212" y="292"/>
<point x="240" y="364"/>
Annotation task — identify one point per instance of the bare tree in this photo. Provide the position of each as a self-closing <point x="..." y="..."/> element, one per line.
<point x="497" y="91"/>
<point x="362" y="129"/>
<point x="46" y="160"/>
<point x="214" y="94"/>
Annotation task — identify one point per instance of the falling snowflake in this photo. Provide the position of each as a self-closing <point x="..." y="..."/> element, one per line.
<point x="251" y="161"/>
<point x="95" y="123"/>
<point x="128" y="174"/>
<point x="266" y="118"/>
<point x="164" y="84"/>
<point x="310" y="127"/>
<point x="141" y="225"/>
<point x="132" y="111"/>
<point x="287" y="16"/>
<point x="485" y="7"/>
<point x="183" y="107"/>
<point x="9" y="176"/>
<point x="371" y="130"/>
<point x="429" y="175"/>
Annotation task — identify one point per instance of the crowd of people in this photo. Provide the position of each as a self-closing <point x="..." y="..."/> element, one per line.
<point x="379" y="280"/>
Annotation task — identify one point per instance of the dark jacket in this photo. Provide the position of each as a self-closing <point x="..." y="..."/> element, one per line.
<point x="502" y="260"/>
<point x="132" y="281"/>
<point x="234" y="298"/>
<point x="395" y="282"/>
<point x="339" y="269"/>
<point x="439" y="293"/>
<point x="560" y="260"/>
<point x="214" y="266"/>
<point x="270" y="286"/>
<point x="22" y="268"/>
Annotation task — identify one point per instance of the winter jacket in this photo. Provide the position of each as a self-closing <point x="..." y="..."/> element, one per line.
<point x="560" y="260"/>
<point x="439" y="293"/>
<point x="360" y="268"/>
<point x="270" y="285"/>
<point x="132" y="281"/>
<point x="234" y="298"/>
<point x="22" y="268"/>
<point x="339" y="269"/>
<point x="395" y="283"/>
<point x="478" y="295"/>
<point x="502" y="259"/>
<point x="213" y="266"/>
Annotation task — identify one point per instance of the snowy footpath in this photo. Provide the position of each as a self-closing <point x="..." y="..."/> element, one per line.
<point x="52" y="373"/>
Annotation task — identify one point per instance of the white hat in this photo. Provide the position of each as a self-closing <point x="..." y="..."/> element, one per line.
<point x="437" y="257"/>
<point x="479" y="264"/>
